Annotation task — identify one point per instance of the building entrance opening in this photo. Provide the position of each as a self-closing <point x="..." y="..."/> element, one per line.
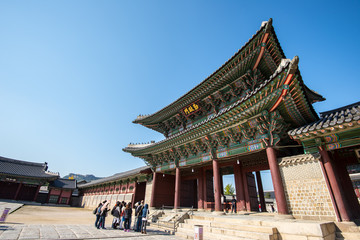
<point x="189" y="194"/>
<point x="139" y="192"/>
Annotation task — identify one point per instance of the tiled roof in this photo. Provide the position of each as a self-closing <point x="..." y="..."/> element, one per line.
<point x="285" y="63"/>
<point x="19" y="168"/>
<point x="63" y="183"/>
<point x="331" y="118"/>
<point x="115" y="177"/>
<point x="201" y="87"/>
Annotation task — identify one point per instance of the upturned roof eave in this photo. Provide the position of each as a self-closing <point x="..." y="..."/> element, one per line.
<point x="232" y="106"/>
<point x="153" y="118"/>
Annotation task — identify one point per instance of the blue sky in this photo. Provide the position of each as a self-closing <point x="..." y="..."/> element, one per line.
<point x="74" y="74"/>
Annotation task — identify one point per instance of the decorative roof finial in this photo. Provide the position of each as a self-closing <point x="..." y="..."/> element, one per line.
<point x="268" y="25"/>
<point x="294" y="65"/>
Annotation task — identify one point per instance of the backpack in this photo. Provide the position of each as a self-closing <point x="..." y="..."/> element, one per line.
<point x="95" y="210"/>
<point x="138" y="210"/>
<point x="112" y="211"/>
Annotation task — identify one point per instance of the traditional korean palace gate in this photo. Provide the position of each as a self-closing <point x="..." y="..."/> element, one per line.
<point x="235" y="121"/>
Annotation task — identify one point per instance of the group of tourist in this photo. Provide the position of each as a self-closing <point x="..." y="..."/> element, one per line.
<point x="122" y="213"/>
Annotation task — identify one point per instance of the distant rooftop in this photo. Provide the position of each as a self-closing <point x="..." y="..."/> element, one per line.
<point x="17" y="168"/>
<point x="116" y="176"/>
<point x="63" y="183"/>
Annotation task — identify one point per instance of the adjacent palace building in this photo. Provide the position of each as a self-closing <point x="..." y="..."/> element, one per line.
<point x="254" y="113"/>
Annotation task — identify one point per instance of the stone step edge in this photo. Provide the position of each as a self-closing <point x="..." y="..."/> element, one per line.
<point x="253" y="234"/>
<point x="227" y="220"/>
<point x="243" y="229"/>
<point x="266" y="229"/>
<point x="347" y="235"/>
<point x="212" y="235"/>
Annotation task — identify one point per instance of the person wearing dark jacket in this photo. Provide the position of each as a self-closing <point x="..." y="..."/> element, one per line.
<point x="127" y="216"/>
<point x="103" y="214"/>
<point x="116" y="213"/>
<point x="138" y="215"/>
<point x="97" y="214"/>
<point x="233" y="205"/>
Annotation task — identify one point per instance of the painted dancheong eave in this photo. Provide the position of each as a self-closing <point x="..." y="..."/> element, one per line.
<point x="262" y="52"/>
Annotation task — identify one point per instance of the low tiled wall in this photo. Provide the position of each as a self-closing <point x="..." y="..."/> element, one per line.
<point x="306" y="191"/>
<point x="90" y="201"/>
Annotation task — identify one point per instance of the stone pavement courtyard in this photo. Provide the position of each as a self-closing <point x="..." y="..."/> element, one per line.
<point x="47" y="222"/>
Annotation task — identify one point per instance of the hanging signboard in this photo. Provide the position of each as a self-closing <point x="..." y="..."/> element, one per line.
<point x="191" y="109"/>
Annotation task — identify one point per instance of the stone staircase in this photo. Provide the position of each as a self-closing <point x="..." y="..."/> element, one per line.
<point x="169" y="220"/>
<point x="232" y="227"/>
<point x="226" y="230"/>
<point x="347" y="231"/>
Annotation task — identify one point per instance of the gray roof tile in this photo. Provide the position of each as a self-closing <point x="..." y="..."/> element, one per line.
<point x="63" y="183"/>
<point x="331" y="118"/>
<point x="14" y="167"/>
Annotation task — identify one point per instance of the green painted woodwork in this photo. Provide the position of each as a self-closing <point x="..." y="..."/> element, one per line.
<point x="339" y="139"/>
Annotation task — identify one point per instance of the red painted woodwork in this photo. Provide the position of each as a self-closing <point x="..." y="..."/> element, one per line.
<point x="347" y="184"/>
<point x="131" y="187"/>
<point x="239" y="187"/>
<point x="139" y="192"/>
<point x="177" y="188"/>
<point x="200" y="189"/>
<point x="254" y="203"/>
<point x="204" y="186"/>
<point x="217" y="185"/>
<point x="246" y="192"/>
<point x="153" y="190"/>
<point x="261" y="192"/>
<point x="277" y="182"/>
<point x="17" y="191"/>
<point x="8" y="190"/>
<point x="341" y="203"/>
<point x="188" y="193"/>
<point x="163" y="195"/>
<point x="209" y="196"/>
<point x="27" y="192"/>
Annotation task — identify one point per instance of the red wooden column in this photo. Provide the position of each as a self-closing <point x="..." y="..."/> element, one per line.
<point x="200" y="191"/>
<point x="17" y="191"/>
<point x="277" y="182"/>
<point x="68" y="200"/>
<point x="261" y="192"/>
<point x="61" y="191"/>
<point x="344" y="210"/>
<point x="37" y="192"/>
<point x="204" y="188"/>
<point x="246" y="192"/>
<point x="152" y="201"/>
<point x="134" y="195"/>
<point x="177" y="188"/>
<point x="217" y="185"/>
<point x="239" y="187"/>
<point x="346" y="184"/>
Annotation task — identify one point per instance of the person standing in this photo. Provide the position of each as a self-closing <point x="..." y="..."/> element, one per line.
<point x="97" y="212"/>
<point x="127" y="216"/>
<point x="122" y="214"/>
<point x="145" y="213"/>
<point x="135" y="218"/>
<point x="103" y="214"/>
<point x="138" y="215"/>
<point x="116" y="213"/>
<point x="233" y="204"/>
